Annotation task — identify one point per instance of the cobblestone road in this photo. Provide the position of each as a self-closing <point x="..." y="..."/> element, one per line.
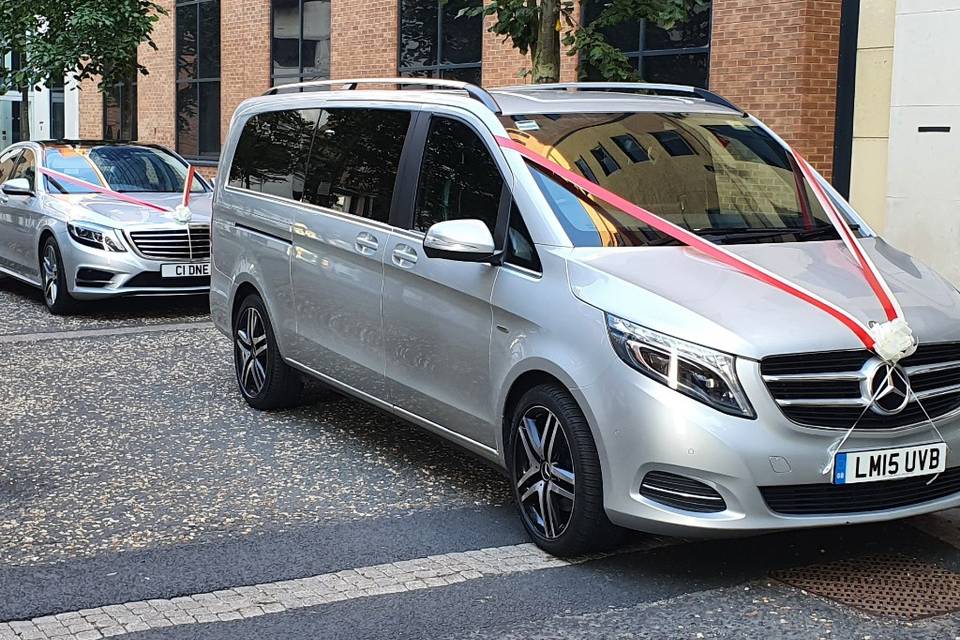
<point x="139" y="496"/>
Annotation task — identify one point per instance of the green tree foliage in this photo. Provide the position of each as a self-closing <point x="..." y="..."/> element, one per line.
<point x="538" y="28"/>
<point x="79" y="38"/>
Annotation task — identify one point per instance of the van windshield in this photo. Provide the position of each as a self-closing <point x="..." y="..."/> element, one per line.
<point x="724" y="178"/>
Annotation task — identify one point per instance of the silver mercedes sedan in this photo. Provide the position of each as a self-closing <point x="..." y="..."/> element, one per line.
<point x="88" y="219"/>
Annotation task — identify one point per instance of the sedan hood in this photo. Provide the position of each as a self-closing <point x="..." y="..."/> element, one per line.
<point x="107" y="210"/>
<point x="682" y="292"/>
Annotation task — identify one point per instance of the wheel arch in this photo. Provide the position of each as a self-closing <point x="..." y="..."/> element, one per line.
<point x="243" y="289"/>
<point x="524" y="378"/>
<point x="45" y="233"/>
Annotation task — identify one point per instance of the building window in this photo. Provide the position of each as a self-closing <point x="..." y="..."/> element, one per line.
<point x="435" y="43"/>
<point x="10" y="105"/>
<point x="607" y="162"/>
<point x="120" y="111"/>
<point x="301" y="40"/>
<point x="680" y="55"/>
<point x="55" y="90"/>
<point x="198" y="78"/>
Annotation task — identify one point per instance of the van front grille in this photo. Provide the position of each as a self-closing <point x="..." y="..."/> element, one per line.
<point x="178" y="244"/>
<point x="829" y="499"/>
<point x="833" y="389"/>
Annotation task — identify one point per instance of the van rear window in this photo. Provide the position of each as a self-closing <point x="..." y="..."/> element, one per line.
<point x="271" y="153"/>
<point x="354" y="160"/>
<point x="343" y="159"/>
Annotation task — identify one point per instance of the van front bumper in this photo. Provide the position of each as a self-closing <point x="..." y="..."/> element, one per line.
<point x="642" y="426"/>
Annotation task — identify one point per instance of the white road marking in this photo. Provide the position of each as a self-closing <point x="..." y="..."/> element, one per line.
<point x="275" y="597"/>
<point x="96" y="333"/>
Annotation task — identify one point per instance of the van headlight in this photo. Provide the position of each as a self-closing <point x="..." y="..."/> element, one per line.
<point x="701" y="373"/>
<point x="97" y="237"/>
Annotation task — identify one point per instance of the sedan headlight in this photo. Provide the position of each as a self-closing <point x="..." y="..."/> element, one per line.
<point x="96" y="237"/>
<point x="701" y="373"/>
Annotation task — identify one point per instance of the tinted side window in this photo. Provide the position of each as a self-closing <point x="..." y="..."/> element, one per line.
<point x="271" y="152"/>
<point x="458" y="177"/>
<point x="353" y="165"/>
<point x="7" y="161"/>
<point x="26" y="168"/>
<point x="520" y="249"/>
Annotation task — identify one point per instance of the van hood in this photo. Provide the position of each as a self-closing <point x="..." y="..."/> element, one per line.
<point x="106" y="210"/>
<point x="683" y="293"/>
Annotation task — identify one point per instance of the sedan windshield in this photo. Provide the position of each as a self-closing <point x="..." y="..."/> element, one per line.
<point x="123" y="168"/>
<point x="724" y="178"/>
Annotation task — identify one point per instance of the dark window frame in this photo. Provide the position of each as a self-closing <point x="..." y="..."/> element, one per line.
<point x="126" y="103"/>
<point x="300" y="76"/>
<point x="639" y="54"/>
<point x="437" y="69"/>
<point x="57" y="88"/>
<point x="195" y="82"/>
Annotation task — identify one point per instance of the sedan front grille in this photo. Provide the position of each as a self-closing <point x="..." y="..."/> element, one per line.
<point x="180" y="244"/>
<point x="833" y="389"/>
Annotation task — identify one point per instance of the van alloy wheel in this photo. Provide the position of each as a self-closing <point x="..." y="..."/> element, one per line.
<point x="51" y="274"/>
<point x="251" y="345"/>
<point x="544" y="472"/>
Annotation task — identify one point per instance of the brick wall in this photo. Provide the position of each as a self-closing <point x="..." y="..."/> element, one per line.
<point x="156" y="92"/>
<point x="91" y="110"/>
<point x="502" y="64"/>
<point x="778" y="60"/>
<point x="244" y="54"/>
<point x="363" y="38"/>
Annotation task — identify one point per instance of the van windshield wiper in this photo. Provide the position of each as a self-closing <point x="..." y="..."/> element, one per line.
<point x="733" y="234"/>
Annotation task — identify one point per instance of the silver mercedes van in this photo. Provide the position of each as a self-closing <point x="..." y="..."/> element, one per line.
<point x="391" y="245"/>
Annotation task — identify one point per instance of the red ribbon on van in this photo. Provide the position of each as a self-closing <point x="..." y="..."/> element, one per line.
<point x="875" y="280"/>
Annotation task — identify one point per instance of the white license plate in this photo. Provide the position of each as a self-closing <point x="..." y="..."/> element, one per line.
<point x="887" y="464"/>
<point x="185" y="270"/>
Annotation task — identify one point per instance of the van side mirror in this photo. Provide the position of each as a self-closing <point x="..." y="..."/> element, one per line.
<point x="17" y="187"/>
<point x="462" y="240"/>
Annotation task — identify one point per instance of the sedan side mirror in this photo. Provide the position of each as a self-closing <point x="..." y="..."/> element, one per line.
<point x="17" y="187"/>
<point x="462" y="240"/>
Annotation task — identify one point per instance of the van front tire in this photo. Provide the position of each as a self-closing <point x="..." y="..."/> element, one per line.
<point x="555" y="473"/>
<point x="265" y="380"/>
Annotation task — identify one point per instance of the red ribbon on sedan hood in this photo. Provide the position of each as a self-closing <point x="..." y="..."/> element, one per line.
<point x="184" y="201"/>
<point x="56" y="175"/>
<point x="867" y="335"/>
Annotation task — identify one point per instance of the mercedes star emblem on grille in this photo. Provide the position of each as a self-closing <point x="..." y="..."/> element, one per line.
<point x="887" y="385"/>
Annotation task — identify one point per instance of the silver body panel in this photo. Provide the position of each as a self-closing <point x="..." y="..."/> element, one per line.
<point x="24" y="221"/>
<point x="443" y="343"/>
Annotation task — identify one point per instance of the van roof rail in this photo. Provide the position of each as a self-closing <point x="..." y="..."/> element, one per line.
<point x="646" y="87"/>
<point x="472" y="90"/>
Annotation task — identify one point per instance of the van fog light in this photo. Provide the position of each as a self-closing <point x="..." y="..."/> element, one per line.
<point x="701" y="373"/>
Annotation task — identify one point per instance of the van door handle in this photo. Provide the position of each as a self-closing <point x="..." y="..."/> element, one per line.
<point x="404" y="256"/>
<point x="366" y="243"/>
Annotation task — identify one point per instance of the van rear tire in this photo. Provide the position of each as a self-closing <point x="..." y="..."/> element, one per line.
<point x="264" y="379"/>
